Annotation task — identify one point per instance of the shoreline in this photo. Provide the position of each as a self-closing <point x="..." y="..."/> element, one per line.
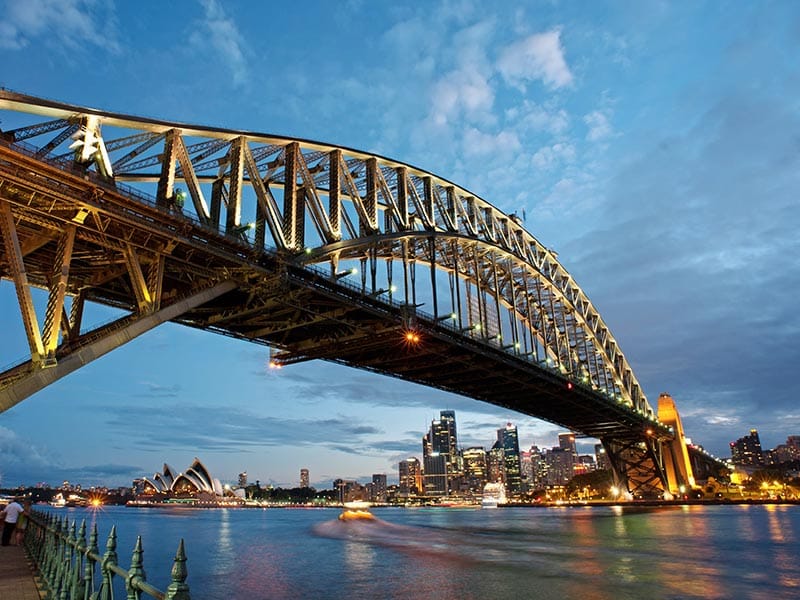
<point x="557" y="504"/>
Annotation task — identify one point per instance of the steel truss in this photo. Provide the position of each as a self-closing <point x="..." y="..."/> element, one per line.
<point x="279" y="216"/>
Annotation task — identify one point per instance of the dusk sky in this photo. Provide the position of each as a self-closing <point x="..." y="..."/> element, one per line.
<point x="654" y="145"/>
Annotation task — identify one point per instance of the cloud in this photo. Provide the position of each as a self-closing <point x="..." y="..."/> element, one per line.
<point x="155" y="390"/>
<point x="537" y="57"/>
<point x="19" y="454"/>
<point x="534" y="118"/>
<point x="26" y="463"/>
<point x="548" y="158"/>
<point x="599" y="126"/>
<point x="224" y="429"/>
<point x="463" y="93"/>
<point x="479" y="143"/>
<point x="693" y="264"/>
<point x="219" y="31"/>
<point x="73" y="23"/>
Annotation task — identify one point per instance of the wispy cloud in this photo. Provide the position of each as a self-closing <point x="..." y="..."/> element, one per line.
<point x="599" y="126"/>
<point x="219" y="32"/>
<point x="224" y="429"/>
<point x="156" y="390"/>
<point x="75" y="24"/>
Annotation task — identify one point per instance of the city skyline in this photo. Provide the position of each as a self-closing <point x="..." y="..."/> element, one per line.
<point x="650" y="146"/>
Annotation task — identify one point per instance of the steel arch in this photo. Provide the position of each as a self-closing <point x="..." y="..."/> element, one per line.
<point x="360" y="215"/>
<point x="433" y="220"/>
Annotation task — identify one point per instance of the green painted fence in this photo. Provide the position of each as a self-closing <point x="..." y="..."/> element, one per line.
<point x="72" y="569"/>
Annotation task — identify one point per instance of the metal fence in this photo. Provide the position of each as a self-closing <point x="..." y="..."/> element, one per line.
<point x="72" y="569"/>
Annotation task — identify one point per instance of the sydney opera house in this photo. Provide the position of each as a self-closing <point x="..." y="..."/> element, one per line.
<point x="196" y="481"/>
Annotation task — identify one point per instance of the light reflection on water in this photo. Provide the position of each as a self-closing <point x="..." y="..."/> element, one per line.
<point x="592" y="553"/>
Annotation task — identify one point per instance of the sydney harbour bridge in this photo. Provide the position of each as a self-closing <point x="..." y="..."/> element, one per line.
<point x="317" y="251"/>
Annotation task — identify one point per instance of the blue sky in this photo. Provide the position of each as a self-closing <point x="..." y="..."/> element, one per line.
<point x="654" y="145"/>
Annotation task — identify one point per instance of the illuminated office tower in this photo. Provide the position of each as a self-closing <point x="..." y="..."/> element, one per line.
<point x="601" y="458"/>
<point x="475" y="471"/>
<point x="566" y="441"/>
<point x="747" y="450"/>
<point x="434" y="474"/>
<point x="379" y="487"/>
<point x="495" y="465"/>
<point x="410" y="477"/>
<point x="442" y="440"/>
<point x="508" y="441"/>
<point x="303" y="478"/>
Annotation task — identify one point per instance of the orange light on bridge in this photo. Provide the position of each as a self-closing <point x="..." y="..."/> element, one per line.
<point x="412" y="337"/>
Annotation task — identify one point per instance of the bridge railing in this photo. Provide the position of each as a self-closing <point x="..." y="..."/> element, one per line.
<point x="131" y="192"/>
<point x="73" y="569"/>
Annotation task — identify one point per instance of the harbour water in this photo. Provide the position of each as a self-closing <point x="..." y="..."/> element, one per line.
<point x="592" y="553"/>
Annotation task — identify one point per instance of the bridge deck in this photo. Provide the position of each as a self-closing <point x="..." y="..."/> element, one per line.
<point x="16" y="576"/>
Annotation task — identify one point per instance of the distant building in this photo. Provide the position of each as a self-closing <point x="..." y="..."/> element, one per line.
<point x="566" y="441"/>
<point x="349" y="490"/>
<point x="195" y="480"/>
<point x="747" y="450"/>
<point x="475" y="472"/>
<point x="495" y="465"/>
<point x="242" y="482"/>
<point x="508" y="441"/>
<point x="601" y="458"/>
<point x="526" y="469"/>
<point x="442" y="440"/>
<point x="434" y="475"/>
<point x="538" y="469"/>
<point x="378" y="487"/>
<point x="560" y="466"/>
<point x="304" y="478"/>
<point x="410" y="480"/>
<point x="783" y="453"/>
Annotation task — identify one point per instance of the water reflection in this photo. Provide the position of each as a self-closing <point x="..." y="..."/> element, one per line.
<point x="591" y="553"/>
<point x="785" y="552"/>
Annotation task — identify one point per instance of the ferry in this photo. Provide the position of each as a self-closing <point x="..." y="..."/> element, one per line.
<point x="494" y="494"/>
<point x="356" y="511"/>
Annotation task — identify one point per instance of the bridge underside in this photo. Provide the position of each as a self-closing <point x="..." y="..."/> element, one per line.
<point x="78" y="238"/>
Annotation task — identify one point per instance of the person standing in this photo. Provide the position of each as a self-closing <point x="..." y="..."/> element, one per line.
<point x="22" y="523"/>
<point x="10" y="514"/>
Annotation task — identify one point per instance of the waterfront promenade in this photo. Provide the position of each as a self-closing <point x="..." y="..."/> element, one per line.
<point x="16" y="577"/>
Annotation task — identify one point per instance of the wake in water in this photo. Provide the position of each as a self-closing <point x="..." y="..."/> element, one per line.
<point x="465" y="545"/>
<point x="416" y="540"/>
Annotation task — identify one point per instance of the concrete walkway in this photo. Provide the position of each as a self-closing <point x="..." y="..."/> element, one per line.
<point x="16" y="576"/>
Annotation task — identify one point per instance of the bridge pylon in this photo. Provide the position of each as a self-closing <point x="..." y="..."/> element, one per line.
<point x="677" y="465"/>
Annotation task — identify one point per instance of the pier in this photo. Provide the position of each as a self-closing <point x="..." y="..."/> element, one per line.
<point x="55" y="561"/>
<point x="17" y="580"/>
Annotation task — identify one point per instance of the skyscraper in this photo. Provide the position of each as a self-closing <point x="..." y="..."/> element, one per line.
<point x="747" y="450"/>
<point x="508" y="440"/>
<point x="410" y="477"/>
<point x="475" y="468"/>
<point x="379" y="487"/>
<point x="442" y="440"/>
<point x="434" y="474"/>
<point x="495" y="464"/>
<point x="303" y="478"/>
<point x="600" y="457"/>
<point x="566" y="441"/>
